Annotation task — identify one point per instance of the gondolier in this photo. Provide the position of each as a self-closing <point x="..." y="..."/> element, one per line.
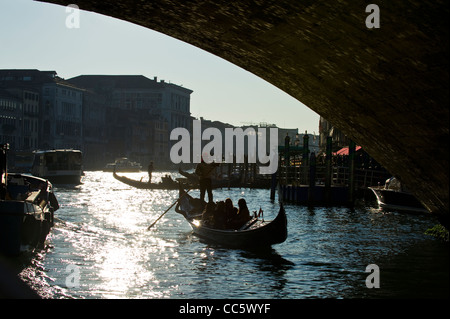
<point x="150" y="171"/>
<point x="204" y="171"/>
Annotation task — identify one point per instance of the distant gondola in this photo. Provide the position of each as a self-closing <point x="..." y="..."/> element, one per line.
<point x="167" y="183"/>
<point x="256" y="233"/>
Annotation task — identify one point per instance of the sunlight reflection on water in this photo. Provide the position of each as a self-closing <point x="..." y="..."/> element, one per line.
<point x="102" y="229"/>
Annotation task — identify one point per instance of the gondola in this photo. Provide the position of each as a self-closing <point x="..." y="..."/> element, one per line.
<point x="256" y="233"/>
<point x="167" y="183"/>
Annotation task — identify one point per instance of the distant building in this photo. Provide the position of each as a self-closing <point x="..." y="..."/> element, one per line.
<point x="313" y="142"/>
<point x="62" y="115"/>
<point x="326" y="129"/>
<point x="28" y="115"/>
<point x="50" y="111"/>
<point x="31" y="121"/>
<point x="94" y="131"/>
<point x="11" y="119"/>
<point x="105" y="116"/>
<point x="295" y="138"/>
<point x="137" y="92"/>
<point x="141" y="113"/>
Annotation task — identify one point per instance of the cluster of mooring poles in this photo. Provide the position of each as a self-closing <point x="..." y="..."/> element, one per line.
<point x="326" y="178"/>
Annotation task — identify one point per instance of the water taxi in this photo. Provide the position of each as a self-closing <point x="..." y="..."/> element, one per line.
<point x="60" y="166"/>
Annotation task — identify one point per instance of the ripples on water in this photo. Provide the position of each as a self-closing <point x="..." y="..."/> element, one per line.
<point x="101" y="235"/>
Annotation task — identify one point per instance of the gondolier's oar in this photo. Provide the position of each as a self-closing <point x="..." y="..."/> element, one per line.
<point x="148" y="228"/>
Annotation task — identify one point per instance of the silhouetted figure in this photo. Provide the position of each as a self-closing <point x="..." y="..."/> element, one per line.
<point x="243" y="214"/>
<point x="208" y="214"/>
<point x="230" y="213"/>
<point x="150" y="171"/>
<point x="220" y="218"/>
<point x="204" y="172"/>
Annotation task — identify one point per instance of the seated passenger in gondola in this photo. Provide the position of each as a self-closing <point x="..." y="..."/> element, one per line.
<point x="220" y="220"/>
<point x="230" y="213"/>
<point x="208" y="214"/>
<point x="243" y="214"/>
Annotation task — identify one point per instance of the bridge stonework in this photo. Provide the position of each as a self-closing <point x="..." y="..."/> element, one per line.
<point x="386" y="88"/>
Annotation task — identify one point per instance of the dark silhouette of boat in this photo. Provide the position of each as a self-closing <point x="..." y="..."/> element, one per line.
<point x="27" y="204"/>
<point x="394" y="196"/>
<point x="255" y="234"/>
<point x="166" y="182"/>
<point x="59" y="166"/>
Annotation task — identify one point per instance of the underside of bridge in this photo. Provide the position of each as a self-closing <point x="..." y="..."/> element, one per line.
<point x="386" y="88"/>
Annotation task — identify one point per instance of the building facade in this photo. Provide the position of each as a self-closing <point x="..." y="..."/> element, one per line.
<point x="11" y="119"/>
<point x="140" y="114"/>
<point x="94" y="130"/>
<point x="326" y="129"/>
<point x="50" y="111"/>
<point x="62" y="125"/>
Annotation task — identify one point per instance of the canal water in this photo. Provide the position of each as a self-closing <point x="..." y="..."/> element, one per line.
<point x="100" y="248"/>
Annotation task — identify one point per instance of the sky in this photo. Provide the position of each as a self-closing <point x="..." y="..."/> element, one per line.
<point x="34" y="35"/>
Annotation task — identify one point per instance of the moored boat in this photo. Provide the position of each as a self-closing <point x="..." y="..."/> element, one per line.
<point x="255" y="234"/>
<point x="27" y="204"/>
<point x="394" y="196"/>
<point x="59" y="166"/>
<point x="123" y="165"/>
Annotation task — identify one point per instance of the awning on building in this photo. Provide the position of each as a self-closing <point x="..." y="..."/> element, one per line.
<point x="344" y="150"/>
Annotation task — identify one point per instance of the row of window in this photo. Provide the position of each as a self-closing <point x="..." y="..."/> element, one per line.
<point x="31" y="96"/>
<point x="69" y="109"/>
<point x="63" y="92"/>
<point x="137" y="95"/>
<point x="12" y="106"/>
<point x="68" y="128"/>
<point x="8" y="105"/>
<point x="131" y="104"/>
<point x="9" y="120"/>
<point x="30" y="126"/>
<point x="179" y="102"/>
<point x="18" y="142"/>
<point x="31" y="108"/>
<point x="179" y="120"/>
<point x="15" y="78"/>
<point x="30" y="142"/>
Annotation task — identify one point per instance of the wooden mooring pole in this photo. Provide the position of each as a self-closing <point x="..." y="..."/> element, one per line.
<point x="305" y="158"/>
<point x="287" y="157"/>
<point x="274" y="183"/>
<point x="312" y="178"/>
<point x="351" y="163"/>
<point x="328" y="169"/>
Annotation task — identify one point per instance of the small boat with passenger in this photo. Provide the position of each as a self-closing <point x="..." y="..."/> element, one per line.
<point x="395" y="196"/>
<point x="255" y="233"/>
<point x="166" y="182"/>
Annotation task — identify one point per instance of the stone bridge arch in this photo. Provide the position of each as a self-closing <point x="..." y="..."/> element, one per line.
<point x="386" y="88"/>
